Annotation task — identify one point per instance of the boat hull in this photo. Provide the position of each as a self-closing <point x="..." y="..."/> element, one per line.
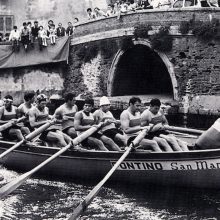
<point x="188" y="169"/>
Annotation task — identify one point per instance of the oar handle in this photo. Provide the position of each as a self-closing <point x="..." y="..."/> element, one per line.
<point x="83" y="205"/>
<point x="28" y="138"/>
<point x="187" y="130"/>
<point x="10" y="123"/>
<point x="39" y="130"/>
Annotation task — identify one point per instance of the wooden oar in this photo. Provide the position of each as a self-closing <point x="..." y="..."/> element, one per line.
<point x="186" y="130"/>
<point x="10" y="123"/>
<point x="28" y="138"/>
<point x="83" y="205"/>
<point x="183" y="134"/>
<point x="14" y="184"/>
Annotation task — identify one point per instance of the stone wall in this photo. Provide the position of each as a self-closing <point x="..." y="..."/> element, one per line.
<point x="47" y="79"/>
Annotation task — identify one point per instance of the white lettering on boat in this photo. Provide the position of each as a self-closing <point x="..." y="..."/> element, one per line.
<point x="133" y="165"/>
<point x="169" y="165"/>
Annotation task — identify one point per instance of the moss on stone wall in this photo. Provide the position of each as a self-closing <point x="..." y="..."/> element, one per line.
<point x="89" y="67"/>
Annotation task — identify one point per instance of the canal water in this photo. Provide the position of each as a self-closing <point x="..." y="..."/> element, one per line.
<point x="45" y="199"/>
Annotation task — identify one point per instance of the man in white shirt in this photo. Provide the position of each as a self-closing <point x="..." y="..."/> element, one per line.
<point x="15" y="37"/>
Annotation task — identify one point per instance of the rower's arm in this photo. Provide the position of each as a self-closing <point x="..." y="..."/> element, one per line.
<point x="58" y="115"/>
<point x="125" y="125"/>
<point x="144" y="119"/>
<point x="1" y="114"/>
<point x="77" y="123"/>
<point x="97" y="117"/>
<point x="32" y="120"/>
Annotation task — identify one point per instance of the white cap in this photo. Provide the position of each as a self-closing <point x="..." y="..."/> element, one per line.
<point x="104" y="101"/>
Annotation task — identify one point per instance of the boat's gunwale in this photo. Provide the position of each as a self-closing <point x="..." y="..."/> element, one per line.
<point x="112" y="155"/>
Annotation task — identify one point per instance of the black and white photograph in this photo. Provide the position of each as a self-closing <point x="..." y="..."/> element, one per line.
<point x="109" y="109"/>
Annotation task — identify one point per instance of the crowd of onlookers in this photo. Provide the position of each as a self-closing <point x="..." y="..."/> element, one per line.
<point x="28" y="34"/>
<point x="121" y="6"/>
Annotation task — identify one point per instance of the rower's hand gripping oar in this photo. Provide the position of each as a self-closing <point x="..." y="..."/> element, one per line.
<point x="28" y="137"/>
<point x="83" y="205"/>
<point x="186" y="130"/>
<point x="14" y="184"/>
<point x="10" y="123"/>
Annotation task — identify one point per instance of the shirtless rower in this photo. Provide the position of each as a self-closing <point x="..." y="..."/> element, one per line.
<point x="66" y="113"/>
<point x="209" y="139"/>
<point x="131" y="124"/>
<point x="24" y="108"/>
<point x="84" y="120"/>
<point x="111" y="130"/>
<point x="9" y="112"/>
<point x="154" y="115"/>
<point x="39" y="115"/>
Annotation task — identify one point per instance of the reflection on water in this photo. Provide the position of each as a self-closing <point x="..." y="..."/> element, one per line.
<point x="44" y="199"/>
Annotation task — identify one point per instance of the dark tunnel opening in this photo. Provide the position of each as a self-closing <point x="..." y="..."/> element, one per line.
<point x="141" y="71"/>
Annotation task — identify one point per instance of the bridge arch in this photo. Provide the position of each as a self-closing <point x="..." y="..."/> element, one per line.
<point x="141" y="71"/>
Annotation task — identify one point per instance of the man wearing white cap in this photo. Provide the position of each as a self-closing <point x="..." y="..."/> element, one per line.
<point x="110" y="130"/>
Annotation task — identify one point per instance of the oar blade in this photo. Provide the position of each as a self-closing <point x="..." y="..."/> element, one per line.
<point x="14" y="184"/>
<point x="83" y="205"/>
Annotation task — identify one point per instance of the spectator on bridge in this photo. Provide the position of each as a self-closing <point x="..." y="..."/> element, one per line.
<point x="131" y="7"/>
<point x="25" y="36"/>
<point x="144" y="4"/>
<point x="50" y="23"/>
<point x="164" y="4"/>
<point x="31" y="39"/>
<point x="213" y="3"/>
<point x="42" y="35"/>
<point x="34" y="31"/>
<point x="99" y="13"/>
<point x="69" y="30"/>
<point x="15" y="37"/>
<point x="123" y="7"/>
<point x="91" y="15"/>
<point x="110" y="11"/>
<point x="61" y="32"/>
<point x="117" y="7"/>
<point x="52" y="34"/>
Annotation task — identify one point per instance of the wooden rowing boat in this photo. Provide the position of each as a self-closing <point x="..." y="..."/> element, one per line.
<point x="190" y="169"/>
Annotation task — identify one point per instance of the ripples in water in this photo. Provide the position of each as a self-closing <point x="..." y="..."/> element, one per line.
<point x="43" y="199"/>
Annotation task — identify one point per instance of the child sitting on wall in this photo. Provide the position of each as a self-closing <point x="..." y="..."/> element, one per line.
<point x="52" y="34"/>
<point x="42" y="35"/>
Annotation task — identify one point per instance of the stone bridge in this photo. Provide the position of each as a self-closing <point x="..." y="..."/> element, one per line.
<point x="107" y="59"/>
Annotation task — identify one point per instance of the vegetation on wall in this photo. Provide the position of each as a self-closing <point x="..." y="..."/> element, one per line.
<point x="162" y="40"/>
<point x="207" y="30"/>
<point x="141" y="31"/>
<point x="203" y="30"/>
<point x="88" y="51"/>
<point x="184" y="27"/>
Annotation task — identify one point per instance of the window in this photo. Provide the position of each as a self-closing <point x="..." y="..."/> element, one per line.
<point x="6" y="23"/>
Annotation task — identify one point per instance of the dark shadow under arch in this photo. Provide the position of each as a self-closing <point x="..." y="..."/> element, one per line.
<point x="141" y="71"/>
